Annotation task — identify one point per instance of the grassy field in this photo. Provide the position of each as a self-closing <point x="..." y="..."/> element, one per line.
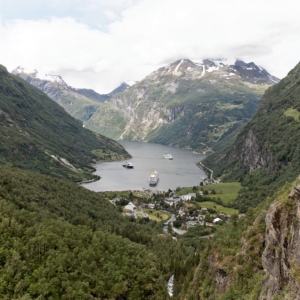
<point x="156" y="215"/>
<point x="218" y="208"/>
<point x="225" y="191"/>
<point x="291" y="112"/>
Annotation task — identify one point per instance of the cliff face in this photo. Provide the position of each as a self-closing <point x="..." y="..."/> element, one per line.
<point x="281" y="257"/>
<point x="268" y="141"/>
<point x="185" y="104"/>
<point x="252" y="154"/>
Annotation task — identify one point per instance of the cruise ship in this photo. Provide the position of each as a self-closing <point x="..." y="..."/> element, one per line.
<point x="153" y="179"/>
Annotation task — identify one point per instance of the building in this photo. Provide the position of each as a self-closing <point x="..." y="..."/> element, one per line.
<point x="130" y="207"/>
<point x="187" y="197"/>
<point x="216" y="220"/>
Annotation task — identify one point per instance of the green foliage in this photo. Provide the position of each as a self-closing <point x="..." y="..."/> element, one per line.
<point x="60" y="239"/>
<point x="52" y="259"/>
<point x="294" y="113"/>
<point x="37" y="134"/>
<point x="275" y="132"/>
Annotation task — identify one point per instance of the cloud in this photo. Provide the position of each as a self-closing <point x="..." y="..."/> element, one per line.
<point x="137" y="37"/>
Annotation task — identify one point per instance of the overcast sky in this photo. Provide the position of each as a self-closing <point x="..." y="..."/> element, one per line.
<point x="100" y="43"/>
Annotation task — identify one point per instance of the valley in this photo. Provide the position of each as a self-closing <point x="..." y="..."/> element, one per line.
<point x="232" y="236"/>
<point x="197" y="105"/>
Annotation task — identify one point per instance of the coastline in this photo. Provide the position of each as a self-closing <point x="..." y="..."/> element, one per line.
<point x="208" y="171"/>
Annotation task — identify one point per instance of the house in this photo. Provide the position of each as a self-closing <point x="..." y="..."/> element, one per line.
<point x="151" y="205"/>
<point x="216" y="220"/>
<point x="187" y="197"/>
<point x="130" y="207"/>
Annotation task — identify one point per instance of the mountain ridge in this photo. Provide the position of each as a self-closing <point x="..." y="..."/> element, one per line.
<point x="183" y="104"/>
<point x="197" y="105"/>
<point x="37" y="134"/>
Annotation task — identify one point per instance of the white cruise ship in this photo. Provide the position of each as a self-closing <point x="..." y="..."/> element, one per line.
<point x="153" y="179"/>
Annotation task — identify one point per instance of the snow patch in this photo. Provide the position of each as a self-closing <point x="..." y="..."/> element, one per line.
<point x="175" y="71"/>
<point x="20" y="69"/>
<point x="213" y="68"/>
<point x="36" y="74"/>
<point x="131" y="82"/>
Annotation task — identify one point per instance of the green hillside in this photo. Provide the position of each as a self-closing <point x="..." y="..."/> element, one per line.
<point x="59" y="239"/>
<point x="37" y="134"/>
<point x="266" y="153"/>
<point x="57" y="243"/>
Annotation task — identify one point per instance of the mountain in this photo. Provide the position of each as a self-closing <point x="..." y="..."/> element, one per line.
<point x="266" y="153"/>
<point x="80" y="103"/>
<point x="37" y="134"/>
<point x="197" y="105"/>
<point x="123" y="87"/>
<point x="186" y="104"/>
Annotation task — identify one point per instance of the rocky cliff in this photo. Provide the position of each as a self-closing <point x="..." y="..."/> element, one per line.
<point x="281" y="257"/>
<point x="186" y="104"/>
<point x="266" y="153"/>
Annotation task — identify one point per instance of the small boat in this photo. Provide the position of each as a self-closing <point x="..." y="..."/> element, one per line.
<point x="154" y="177"/>
<point x="129" y="166"/>
<point x="168" y="156"/>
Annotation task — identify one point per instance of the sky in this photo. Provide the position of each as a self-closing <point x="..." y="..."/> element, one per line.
<point x="99" y="44"/>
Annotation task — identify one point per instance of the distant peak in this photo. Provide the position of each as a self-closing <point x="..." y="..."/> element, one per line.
<point x="21" y="69"/>
<point x="34" y="73"/>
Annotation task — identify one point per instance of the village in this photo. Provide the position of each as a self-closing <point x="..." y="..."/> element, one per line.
<point x="177" y="210"/>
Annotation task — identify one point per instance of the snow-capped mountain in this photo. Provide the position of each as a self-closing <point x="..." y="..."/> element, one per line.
<point x="80" y="103"/>
<point x="186" y="103"/>
<point x="224" y="69"/>
<point x="35" y="74"/>
<point x="196" y="104"/>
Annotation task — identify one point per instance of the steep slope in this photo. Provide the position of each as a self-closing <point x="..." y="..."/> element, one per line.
<point x="254" y="257"/>
<point x="79" y="103"/>
<point x="186" y="104"/>
<point x="37" y="134"/>
<point x="266" y="153"/>
<point x="57" y="239"/>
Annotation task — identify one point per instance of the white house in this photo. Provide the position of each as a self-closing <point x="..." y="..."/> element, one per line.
<point x="130" y="207"/>
<point x="187" y="197"/>
<point x="216" y="220"/>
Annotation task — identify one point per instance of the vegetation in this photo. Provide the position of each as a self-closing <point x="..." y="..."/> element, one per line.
<point x="37" y="134"/>
<point x="51" y="259"/>
<point x="218" y="208"/>
<point x="274" y="131"/>
<point x="60" y="239"/>
<point x="156" y="215"/>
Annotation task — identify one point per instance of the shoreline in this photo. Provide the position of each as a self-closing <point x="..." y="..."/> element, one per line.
<point x="206" y="170"/>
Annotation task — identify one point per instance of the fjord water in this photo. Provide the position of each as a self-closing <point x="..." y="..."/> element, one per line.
<point x="182" y="171"/>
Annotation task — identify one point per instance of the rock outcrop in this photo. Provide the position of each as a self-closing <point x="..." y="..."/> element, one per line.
<point x="281" y="257"/>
